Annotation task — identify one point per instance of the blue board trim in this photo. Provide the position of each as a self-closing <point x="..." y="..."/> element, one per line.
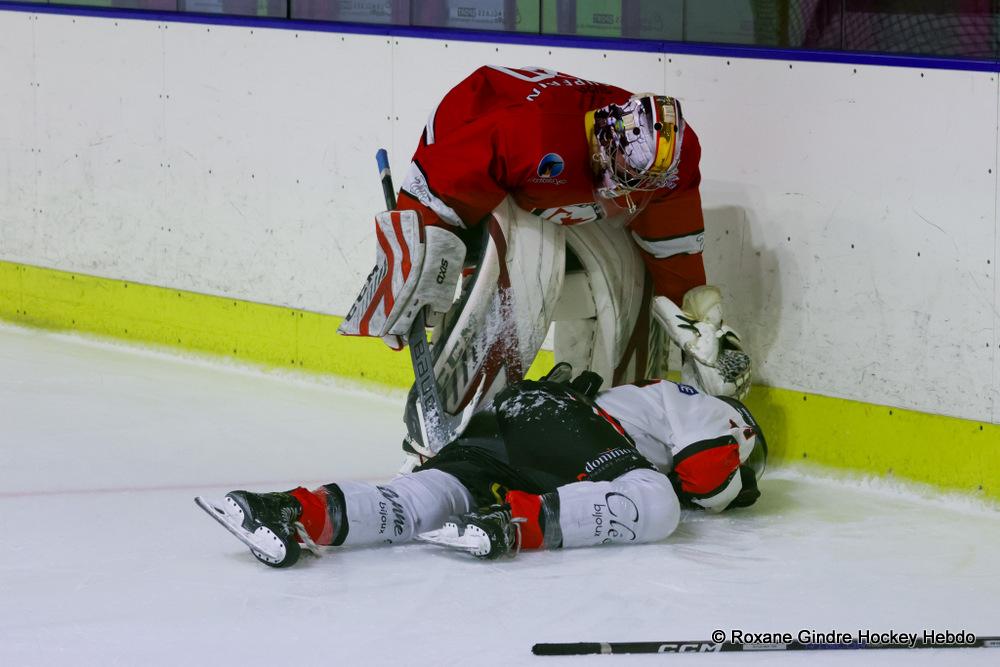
<point x="533" y="39"/>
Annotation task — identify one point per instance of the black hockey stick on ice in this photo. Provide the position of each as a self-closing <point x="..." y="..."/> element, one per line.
<point x="438" y="426"/>
<point x="589" y="648"/>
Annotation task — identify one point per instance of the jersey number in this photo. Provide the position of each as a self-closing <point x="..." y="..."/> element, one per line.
<point x="529" y="74"/>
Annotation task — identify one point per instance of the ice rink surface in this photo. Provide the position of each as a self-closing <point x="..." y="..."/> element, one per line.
<point x="105" y="559"/>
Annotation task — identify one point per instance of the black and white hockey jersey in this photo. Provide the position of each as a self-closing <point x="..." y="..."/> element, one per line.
<point x="701" y="442"/>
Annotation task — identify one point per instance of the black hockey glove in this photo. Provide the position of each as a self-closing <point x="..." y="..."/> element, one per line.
<point x="750" y="493"/>
<point x="587" y="383"/>
<point x="561" y="373"/>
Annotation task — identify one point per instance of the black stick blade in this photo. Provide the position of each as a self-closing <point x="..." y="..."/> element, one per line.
<point x="579" y="648"/>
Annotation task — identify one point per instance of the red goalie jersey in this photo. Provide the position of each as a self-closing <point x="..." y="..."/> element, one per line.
<point x="523" y="132"/>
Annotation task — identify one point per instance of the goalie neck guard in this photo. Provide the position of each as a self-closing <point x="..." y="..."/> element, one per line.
<point x="636" y="145"/>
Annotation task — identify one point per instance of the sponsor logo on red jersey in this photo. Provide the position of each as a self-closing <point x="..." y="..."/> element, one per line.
<point x="551" y="165"/>
<point x="548" y="170"/>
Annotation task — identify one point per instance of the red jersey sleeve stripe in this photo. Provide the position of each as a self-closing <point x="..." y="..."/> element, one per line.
<point x="664" y="247"/>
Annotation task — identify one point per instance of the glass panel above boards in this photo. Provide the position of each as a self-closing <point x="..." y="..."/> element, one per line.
<point x="270" y="8"/>
<point x="949" y="28"/>
<point x="150" y="5"/>
<point x="505" y="15"/>
<point x="392" y="12"/>
<point x="965" y="28"/>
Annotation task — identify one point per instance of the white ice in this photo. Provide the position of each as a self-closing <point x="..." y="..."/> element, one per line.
<point x="105" y="559"/>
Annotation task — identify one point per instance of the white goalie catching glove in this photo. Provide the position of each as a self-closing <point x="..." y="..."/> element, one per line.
<point x="714" y="360"/>
<point x="415" y="267"/>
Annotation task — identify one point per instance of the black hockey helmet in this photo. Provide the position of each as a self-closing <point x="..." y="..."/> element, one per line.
<point x="756" y="460"/>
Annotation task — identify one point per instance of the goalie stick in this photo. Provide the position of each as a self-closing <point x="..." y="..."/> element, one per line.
<point x="590" y="648"/>
<point x="438" y="427"/>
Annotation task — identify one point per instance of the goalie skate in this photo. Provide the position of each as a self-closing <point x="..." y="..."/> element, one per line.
<point x="269" y="544"/>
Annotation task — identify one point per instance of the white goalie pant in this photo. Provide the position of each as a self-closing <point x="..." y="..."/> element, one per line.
<point x="639" y="506"/>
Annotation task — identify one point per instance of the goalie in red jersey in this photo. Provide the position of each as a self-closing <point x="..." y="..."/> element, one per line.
<point x="571" y="152"/>
<point x="542" y="197"/>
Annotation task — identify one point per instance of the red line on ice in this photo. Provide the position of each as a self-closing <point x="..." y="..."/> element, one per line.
<point x="272" y="485"/>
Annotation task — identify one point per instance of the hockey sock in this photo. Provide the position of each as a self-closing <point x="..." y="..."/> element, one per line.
<point x="322" y="514"/>
<point x="527" y="506"/>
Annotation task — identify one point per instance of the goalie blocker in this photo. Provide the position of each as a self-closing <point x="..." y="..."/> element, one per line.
<point x="415" y="266"/>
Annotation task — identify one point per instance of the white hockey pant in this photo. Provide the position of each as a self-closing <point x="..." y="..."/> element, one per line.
<point x="640" y="506"/>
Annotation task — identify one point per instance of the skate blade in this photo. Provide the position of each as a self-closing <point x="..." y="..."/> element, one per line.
<point x="472" y="540"/>
<point x="261" y="544"/>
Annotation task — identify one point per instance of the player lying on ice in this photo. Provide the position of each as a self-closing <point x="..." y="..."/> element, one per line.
<point x="553" y="464"/>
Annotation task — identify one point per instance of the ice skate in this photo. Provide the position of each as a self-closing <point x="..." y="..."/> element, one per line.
<point x="268" y="523"/>
<point x="488" y="534"/>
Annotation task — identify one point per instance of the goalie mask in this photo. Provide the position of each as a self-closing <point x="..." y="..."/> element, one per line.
<point x="636" y="145"/>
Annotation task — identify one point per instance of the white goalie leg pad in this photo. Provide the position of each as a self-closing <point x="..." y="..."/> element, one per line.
<point x="415" y="266"/>
<point x="395" y="512"/>
<point x="639" y="506"/>
<point x="502" y="322"/>
<point x="610" y="282"/>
